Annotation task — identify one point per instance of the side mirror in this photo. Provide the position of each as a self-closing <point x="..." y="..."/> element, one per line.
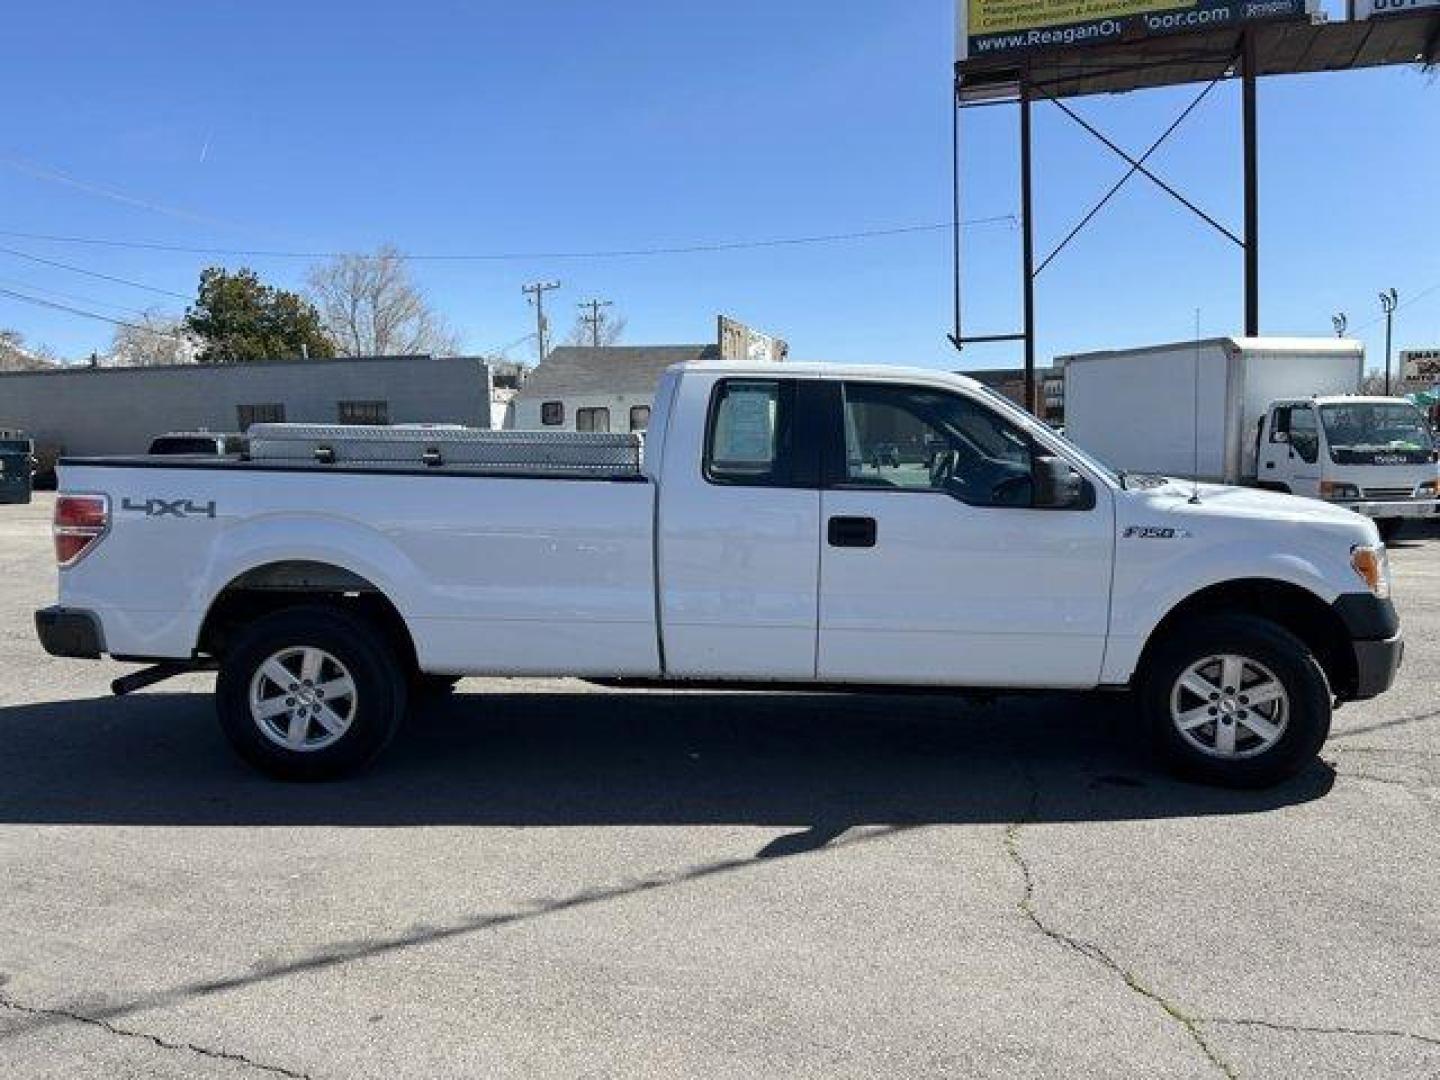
<point x="1057" y="486"/>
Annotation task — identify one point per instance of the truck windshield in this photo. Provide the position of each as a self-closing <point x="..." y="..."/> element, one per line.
<point x="1376" y="433"/>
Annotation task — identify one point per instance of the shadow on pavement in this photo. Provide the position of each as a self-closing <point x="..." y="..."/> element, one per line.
<point x="829" y="762"/>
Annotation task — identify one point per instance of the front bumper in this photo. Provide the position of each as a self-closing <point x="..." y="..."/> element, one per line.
<point x="70" y="632"/>
<point x="1376" y="665"/>
<point x="1376" y="641"/>
<point x="1400" y="508"/>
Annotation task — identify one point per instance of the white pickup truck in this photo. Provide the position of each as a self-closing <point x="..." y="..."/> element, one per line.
<point x="789" y="526"/>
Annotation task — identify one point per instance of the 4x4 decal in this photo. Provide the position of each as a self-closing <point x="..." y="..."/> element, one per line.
<point x="176" y="508"/>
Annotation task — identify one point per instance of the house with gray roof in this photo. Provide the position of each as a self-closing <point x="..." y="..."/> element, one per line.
<point x="610" y="388"/>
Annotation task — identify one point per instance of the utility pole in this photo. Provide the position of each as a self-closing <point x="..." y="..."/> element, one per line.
<point x="536" y="290"/>
<point x="593" y="319"/>
<point x="1389" y="301"/>
<point x="1341" y="322"/>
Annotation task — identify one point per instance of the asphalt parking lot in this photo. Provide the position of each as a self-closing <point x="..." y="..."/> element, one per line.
<point x="545" y="879"/>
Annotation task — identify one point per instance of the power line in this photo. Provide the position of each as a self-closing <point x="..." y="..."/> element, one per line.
<point x="515" y="256"/>
<point x="86" y="314"/>
<point x="1409" y="301"/>
<point x="79" y="299"/>
<point x="92" y="273"/>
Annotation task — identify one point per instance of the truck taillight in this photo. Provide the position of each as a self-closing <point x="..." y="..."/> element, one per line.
<point x="80" y="522"/>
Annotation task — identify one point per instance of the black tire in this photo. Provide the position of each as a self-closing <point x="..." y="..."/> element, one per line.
<point x="373" y="713"/>
<point x="1259" y="642"/>
<point x="1390" y="529"/>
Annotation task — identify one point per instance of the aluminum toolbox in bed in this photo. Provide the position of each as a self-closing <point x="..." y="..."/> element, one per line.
<point x="547" y="453"/>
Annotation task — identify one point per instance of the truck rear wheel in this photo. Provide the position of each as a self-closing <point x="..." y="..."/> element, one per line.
<point x="309" y="693"/>
<point x="1237" y="701"/>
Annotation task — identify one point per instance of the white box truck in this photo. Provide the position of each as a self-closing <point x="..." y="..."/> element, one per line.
<point x="1276" y="413"/>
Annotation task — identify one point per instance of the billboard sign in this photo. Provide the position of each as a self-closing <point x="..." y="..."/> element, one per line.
<point x="741" y="345"/>
<point x="1010" y="28"/>
<point x="1371" y="9"/>
<point x="1420" y="366"/>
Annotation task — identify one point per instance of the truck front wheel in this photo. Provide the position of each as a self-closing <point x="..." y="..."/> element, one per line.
<point x="309" y="693"/>
<point x="1237" y="701"/>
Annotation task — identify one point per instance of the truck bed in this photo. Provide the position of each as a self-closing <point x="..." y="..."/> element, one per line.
<point x="533" y="573"/>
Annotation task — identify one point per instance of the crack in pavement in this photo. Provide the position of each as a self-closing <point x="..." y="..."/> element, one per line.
<point x="1421" y="789"/>
<point x="1026" y="905"/>
<point x="143" y="1036"/>
<point x="1383" y="725"/>
<point x="1302" y="1029"/>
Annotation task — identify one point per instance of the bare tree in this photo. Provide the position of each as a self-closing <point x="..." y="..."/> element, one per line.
<point x="155" y="340"/>
<point x="1373" y="384"/>
<point x="370" y="306"/>
<point x="15" y="355"/>
<point x="610" y="330"/>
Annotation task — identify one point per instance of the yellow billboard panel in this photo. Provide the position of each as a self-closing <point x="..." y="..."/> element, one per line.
<point x="1003" y="27"/>
<point x="997" y="16"/>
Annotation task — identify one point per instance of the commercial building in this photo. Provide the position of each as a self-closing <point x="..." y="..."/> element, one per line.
<point x="610" y="388"/>
<point x="87" y="410"/>
<point x="1010" y="382"/>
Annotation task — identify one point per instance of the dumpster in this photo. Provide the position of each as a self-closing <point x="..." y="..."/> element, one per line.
<point x="17" y="463"/>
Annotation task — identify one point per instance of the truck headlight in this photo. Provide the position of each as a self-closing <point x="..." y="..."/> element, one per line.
<point x="1428" y="489"/>
<point x="1329" y="489"/>
<point x="1373" y="566"/>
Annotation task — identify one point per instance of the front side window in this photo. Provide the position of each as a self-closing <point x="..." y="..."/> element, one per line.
<point x="592" y="419"/>
<point x="914" y="438"/>
<point x="1305" y="434"/>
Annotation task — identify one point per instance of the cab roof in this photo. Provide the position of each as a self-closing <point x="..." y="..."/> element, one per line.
<point x="887" y="372"/>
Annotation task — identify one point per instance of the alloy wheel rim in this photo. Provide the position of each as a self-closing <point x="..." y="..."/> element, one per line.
<point x="1230" y="707"/>
<point x="303" y="699"/>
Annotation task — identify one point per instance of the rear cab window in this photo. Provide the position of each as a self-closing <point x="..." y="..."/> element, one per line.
<point x="765" y="432"/>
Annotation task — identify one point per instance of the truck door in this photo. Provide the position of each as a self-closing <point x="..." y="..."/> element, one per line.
<point x="1290" y="451"/>
<point x="739" y="530"/>
<point x="934" y="566"/>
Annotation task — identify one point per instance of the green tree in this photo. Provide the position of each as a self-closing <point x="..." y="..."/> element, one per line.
<point x="239" y="320"/>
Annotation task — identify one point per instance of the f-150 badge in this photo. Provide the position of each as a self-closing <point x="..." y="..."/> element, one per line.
<point x="176" y="508"/>
<point x="1154" y="532"/>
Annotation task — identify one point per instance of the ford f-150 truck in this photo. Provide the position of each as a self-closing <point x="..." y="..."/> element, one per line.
<point x="788" y="526"/>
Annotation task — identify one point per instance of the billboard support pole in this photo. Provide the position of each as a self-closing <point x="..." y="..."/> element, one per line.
<point x="1252" y="191"/>
<point x="1027" y="223"/>
<point x="955" y="337"/>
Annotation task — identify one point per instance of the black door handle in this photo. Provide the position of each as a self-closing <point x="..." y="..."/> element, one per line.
<point x="852" y="532"/>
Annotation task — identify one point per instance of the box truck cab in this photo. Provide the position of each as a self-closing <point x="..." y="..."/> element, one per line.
<point x="1374" y="455"/>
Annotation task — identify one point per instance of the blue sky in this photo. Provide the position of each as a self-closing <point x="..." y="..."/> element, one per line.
<point x="565" y="126"/>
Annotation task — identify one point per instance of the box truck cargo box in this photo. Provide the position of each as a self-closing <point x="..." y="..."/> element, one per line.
<point x="1139" y="409"/>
